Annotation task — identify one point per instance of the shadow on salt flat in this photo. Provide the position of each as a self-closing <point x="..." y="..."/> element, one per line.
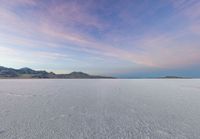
<point x="2" y="131"/>
<point x="191" y="87"/>
<point x="20" y="95"/>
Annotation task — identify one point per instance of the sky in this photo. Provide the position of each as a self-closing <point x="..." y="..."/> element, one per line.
<point x="122" y="38"/>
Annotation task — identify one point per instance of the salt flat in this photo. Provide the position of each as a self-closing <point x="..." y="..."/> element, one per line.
<point x="100" y="109"/>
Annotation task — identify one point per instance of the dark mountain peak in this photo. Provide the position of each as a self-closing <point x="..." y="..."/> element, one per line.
<point x="26" y="70"/>
<point x="7" y="72"/>
<point x="2" y="68"/>
<point x="172" y="77"/>
<point x="79" y="74"/>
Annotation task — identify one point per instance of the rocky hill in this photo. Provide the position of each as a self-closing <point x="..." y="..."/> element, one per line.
<point x="30" y="73"/>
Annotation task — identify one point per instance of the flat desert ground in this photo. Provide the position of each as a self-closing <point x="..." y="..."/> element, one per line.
<point x="100" y="109"/>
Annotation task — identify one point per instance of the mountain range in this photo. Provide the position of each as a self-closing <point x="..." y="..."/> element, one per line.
<point x="27" y="73"/>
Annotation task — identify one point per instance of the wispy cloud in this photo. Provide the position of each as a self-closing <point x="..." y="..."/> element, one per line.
<point x="141" y="34"/>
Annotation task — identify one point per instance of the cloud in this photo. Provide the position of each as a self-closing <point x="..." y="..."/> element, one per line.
<point x="73" y="14"/>
<point x="85" y="43"/>
<point x="73" y="29"/>
<point x="14" y="3"/>
<point x="173" y="55"/>
<point x="24" y="54"/>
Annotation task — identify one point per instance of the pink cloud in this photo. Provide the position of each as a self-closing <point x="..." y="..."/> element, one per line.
<point x="56" y="25"/>
<point x="71" y="13"/>
<point x="167" y="51"/>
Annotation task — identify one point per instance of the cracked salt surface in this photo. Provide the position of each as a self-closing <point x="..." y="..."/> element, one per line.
<point x="100" y="109"/>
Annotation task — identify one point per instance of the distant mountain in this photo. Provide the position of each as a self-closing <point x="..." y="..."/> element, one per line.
<point x="172" y="77"/>
<point x="30" y="73"/>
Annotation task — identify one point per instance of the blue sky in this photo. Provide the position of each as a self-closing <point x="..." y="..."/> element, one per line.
<point x="123" y="38"/>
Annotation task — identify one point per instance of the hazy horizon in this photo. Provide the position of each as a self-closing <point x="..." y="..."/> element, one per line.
<point x="120" y="38"/>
